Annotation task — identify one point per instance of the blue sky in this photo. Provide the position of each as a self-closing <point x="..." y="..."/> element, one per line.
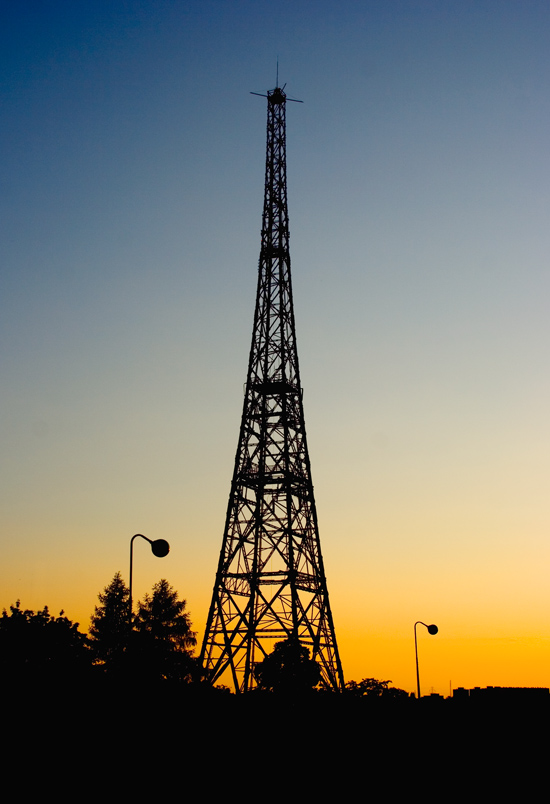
<point x="418" y="175"/>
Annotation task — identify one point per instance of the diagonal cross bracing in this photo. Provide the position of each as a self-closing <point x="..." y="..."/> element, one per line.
<point x="270" y="583"/>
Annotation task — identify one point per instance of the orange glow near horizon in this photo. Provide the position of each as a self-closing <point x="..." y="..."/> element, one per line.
<point x="452" y="658"/>
<point x="418" y="206"/>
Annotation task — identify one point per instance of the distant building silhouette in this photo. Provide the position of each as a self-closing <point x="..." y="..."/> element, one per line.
<point x="502" y="694"/>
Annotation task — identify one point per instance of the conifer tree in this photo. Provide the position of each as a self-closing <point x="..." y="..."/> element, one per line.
<point x="166" y="641"/>
<point x="109" y="631"/>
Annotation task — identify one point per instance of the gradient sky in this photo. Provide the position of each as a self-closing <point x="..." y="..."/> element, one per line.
<point x="419" y="189"/>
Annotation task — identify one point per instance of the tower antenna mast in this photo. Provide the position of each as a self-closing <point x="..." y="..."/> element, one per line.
<point x="270" y="584"/>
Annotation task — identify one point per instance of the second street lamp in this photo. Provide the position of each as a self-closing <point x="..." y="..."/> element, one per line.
<point x="432" y="629"/>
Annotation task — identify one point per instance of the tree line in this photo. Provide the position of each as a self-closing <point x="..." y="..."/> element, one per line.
<point x="154" y="644"/>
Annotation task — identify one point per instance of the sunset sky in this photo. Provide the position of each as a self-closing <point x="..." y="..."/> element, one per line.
<point x="419" y="191"/>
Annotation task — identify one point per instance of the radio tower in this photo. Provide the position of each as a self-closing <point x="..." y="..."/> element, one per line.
<point x="270" y="584"/>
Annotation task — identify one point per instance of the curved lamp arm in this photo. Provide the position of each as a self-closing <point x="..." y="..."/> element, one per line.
<point x="432" y="629"/>
<point x="159" y="547"/>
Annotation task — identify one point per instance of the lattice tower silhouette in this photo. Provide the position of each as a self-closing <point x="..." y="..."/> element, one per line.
<point x="270" y="583"/>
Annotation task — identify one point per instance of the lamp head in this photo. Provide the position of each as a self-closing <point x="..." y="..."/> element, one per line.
<point x="161" y="548"/>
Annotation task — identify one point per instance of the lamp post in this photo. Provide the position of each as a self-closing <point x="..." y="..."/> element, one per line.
<point x="159" y="548"/>
<point x="432" y="629"/>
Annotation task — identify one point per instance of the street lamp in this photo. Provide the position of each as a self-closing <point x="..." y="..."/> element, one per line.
<point x="159" y="548"/>
<point x="432" y="629"/>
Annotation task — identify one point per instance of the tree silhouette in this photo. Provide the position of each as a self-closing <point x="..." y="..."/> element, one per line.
<point x="288" y="669"/>
<point x="38" y="645"/>
<point x="165" y="641"/>
<point x="110" y="628"/>
<point x="373" y="688"/>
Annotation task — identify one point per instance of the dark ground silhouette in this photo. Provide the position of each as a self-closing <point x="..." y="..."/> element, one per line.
<point x="64" y="715"/>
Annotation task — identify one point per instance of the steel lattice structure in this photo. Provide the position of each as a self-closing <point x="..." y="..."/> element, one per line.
<point x="270" y="584"/>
